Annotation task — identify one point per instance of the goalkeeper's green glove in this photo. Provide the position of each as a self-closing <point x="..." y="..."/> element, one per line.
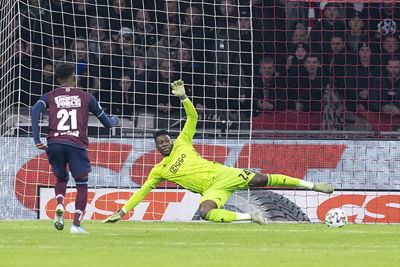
<point x="115" y="217"/>
<point x="178" y="89"/>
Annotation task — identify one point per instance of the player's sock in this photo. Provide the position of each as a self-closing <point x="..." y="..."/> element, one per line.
<point x="220" y="215"/>
<point x="80" y="202"/>
<point x="242" y="216"/>
<point x="280" y="180"/>
<point x="60" y="188"/>
<point x="306" y="184"/>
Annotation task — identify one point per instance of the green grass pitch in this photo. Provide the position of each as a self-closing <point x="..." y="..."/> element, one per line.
<point x="38" y="243"/>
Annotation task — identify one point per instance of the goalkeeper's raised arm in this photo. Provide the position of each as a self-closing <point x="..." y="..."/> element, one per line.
<point x="189" y="130"/>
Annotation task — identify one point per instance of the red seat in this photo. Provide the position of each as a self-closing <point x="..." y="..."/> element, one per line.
<point x="287" y="120"/>
<point x="380" y="121"/>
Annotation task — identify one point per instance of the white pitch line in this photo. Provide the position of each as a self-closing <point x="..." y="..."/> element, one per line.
<point x="265" y="229"/>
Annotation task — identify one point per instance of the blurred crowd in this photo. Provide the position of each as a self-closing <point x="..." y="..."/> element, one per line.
<point x="237" y="58"/>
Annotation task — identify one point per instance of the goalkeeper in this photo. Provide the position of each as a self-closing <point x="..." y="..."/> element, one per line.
<point x="215" y="182"/>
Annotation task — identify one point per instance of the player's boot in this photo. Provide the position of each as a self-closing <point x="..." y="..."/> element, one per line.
<point x="324" y="188"/>
<point x="257" y="217"/>
<point x="77" y="230"/>
<point x="59" y="217"/>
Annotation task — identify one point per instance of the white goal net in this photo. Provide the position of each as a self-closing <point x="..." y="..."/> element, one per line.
<point x="236" y="58"/>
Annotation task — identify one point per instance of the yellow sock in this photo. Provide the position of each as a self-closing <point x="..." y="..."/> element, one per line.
<point x="280" y="180"/>
<point x="220" y="215"/>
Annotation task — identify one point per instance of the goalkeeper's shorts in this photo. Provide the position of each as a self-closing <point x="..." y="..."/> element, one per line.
<point x="225" y="183"/>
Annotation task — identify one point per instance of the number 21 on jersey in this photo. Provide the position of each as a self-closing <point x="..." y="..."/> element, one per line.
<point x="64" y="115"/>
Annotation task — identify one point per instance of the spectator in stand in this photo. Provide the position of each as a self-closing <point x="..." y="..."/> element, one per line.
<point x="249" y="42"/>
<point x="122" y="54"/>
<point x="141" y="76"/>
<point x="390" y="48"/>
<point x="167" y="12"/>
<point x="355" y="34"/>
<point x="229" y="75"/>
<point x="125" y="48"/>
<point x="120" y="15"/>
<point x="82" y="11"/>
<point x="227" y="13"/>
<point x="362" y="9"/>
<point x="59" y="22"/>
<point x="43" y="83"/>
<point x="311" y="87"/>
<point x="192" y="29"/>
<point x="192" y="73"/>
<point x="32" y="19"/>
<point x="19" y="69"/>
<point x="33" y="62"/>
<point x="323" y="30"/>
<point x="144" y="30"/>
<point x="166" y="48"/>
<point x="359" y="78"/>
<point x="270" y="92"/>
<point x="299" y="35"/>
<point x="385" y="91"/>
<point x="271" y="16"/>
<point x="56" y="52"/>
<point x="107" y="53"/>
<point x="296" y="12"/>
<point x="97" y="33"/>
<point x="122" y="97"/>
<point x="47" y="80"/>
<point x="335" y="62"/>
<point x="159" y="98"/>
<point x="386" y="21"/>
<point x="87" y="65"/>
<point x="295" y="63"/>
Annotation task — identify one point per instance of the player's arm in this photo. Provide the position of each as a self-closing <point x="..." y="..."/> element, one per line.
<point x="96" y="109"/>
<point x="189" y="129"/>
<point x="151" y="183"/>
<point x="37" y="109"/>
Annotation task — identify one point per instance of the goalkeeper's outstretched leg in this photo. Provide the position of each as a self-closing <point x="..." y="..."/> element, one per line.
<point x="279" y="180"/>
<point x="209" y="211"/>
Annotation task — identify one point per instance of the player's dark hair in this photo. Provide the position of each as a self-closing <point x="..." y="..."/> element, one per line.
<point x="160" y="132"/>
<point x="64" y="71"/>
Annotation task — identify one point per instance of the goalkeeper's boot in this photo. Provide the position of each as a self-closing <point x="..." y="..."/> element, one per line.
<point x="77" y="230"/>
<point x="115" y="217"/>
<point x="257" y="217"/>
<point x="324" y="188"/>
<point x="59" y="217"/>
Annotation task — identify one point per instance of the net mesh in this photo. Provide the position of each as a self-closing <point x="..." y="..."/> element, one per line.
<point x="302" y="88"/>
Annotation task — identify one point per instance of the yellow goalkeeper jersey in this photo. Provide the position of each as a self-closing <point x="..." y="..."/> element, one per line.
<point x="184" y="166"/>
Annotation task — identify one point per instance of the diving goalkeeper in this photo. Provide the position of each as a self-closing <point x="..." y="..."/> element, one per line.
<point x="215" y="182"/>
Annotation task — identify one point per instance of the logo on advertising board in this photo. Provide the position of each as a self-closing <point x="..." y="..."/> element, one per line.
<point x="360" y="207"/>
<point x="168" y="205"/>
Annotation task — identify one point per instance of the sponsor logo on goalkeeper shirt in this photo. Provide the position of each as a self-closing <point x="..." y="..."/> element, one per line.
<point x="175" y="166"/>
